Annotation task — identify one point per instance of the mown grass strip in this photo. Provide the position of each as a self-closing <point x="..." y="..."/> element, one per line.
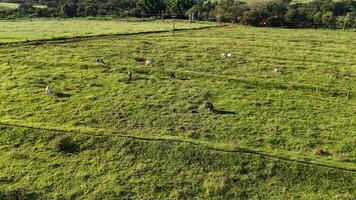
<point x="216" y="147"/>
<point x="57" y="40"/>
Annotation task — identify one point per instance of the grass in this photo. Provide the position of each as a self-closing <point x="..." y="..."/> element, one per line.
<point x="8" y="5"/>
<point x="40" y="6"/>
<point x="13" y="6"/>
<point x="152" y="138"/>
<point x="44" y="29"/>
<point x="111" y="168"/>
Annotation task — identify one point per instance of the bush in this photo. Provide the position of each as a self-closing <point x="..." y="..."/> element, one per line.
<point x="216" y="183"/>
<point x="65" y="144"/>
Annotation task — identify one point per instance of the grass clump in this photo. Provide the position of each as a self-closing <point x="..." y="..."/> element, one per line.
<point x="18" y="194"/>
<point x="215" y="183"/>
<point x="65" y="144"/>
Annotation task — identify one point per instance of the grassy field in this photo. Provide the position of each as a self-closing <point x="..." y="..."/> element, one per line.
<point x="12" y="6"/>
<point x="8" y="5"/>
<point x="35" y="29"/>
<point x="151" y="137"/>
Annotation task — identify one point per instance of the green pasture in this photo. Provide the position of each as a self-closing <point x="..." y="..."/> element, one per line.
<point x="282" y="136"/>
<point x="44" y="29"/>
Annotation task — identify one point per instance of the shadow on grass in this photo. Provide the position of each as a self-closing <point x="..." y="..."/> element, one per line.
<point x="19" y="193"/>
<point x="66" y="145"/>
<point x="224" y="112"/>
<point x="62" y="95"/>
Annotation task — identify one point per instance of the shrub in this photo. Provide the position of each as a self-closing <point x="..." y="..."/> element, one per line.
<point x="216" y="183"/>
<point x="65" y="144"/>
<point x="17" y="194"/>
<point x="320" y="152"/>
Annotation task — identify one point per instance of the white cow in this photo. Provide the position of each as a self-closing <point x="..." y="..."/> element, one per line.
<point x="148" y="62"/>
<point x="226" y="55"/>
<point x="278" y="70"/>
<point x="48" y="90"/>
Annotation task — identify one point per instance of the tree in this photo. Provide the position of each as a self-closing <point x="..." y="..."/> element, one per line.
<point x="328" y="19"/>
<point x="230" y="10"/>
<point x="300" y="15"/>
<point x="327" y="6"/>
<point x="203" y="7"/>
<point x="25" y="9"/>
<point x="150" y="7"/>
<point x="180" y="7"/>
<point x="277" y="9"/>
<point x="317" y="18"/>
<point x="68" y="10"/>
<point x="351" y="20"/>
<point x="341" y="21"/>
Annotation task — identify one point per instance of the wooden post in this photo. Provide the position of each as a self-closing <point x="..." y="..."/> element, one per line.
<point x="11" y="70"/>
<point x="174" y="27"/>
<point x="190" y="19"/>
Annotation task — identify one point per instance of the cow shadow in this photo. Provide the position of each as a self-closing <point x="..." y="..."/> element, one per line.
<point x="62" y="95"/>
<point x="224" y="112"/>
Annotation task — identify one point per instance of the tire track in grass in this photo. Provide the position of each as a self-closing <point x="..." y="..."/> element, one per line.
<point x="333" y="92"/>
<point x="265" y="84"/>
<point x="108" y="133"/>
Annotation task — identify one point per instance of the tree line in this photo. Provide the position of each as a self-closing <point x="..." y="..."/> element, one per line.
<point x="281" y="13"/>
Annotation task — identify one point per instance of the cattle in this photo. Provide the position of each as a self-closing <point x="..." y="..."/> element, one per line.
<point x="148" y="62"/>
<point x="129" y="75"/>
<point x="209" y="106"/>
<point x="48" y="90"/>
<point x="278" y="70"/>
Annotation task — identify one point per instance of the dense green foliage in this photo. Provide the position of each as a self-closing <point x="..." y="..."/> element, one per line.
<point x="281" y="13"/>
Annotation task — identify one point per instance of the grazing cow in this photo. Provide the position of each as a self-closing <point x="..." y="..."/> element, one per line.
<point x="148" y="62"/>
<point x="48" y="90"/>
<point x="320" y="152"/>
<point x="226" y="55"/>
<point x="129" y="74"/>
<point x="209" y="106"/>
<point x="100" y="61"/>
<point x="278" y="70"/>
